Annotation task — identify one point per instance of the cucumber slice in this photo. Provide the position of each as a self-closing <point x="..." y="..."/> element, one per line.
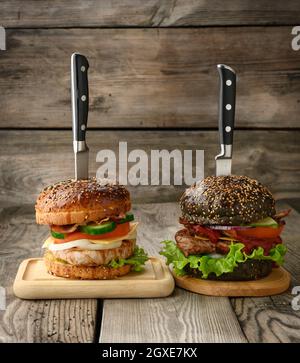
<point x="57" y="235"/>
<point x="128" y="218"/>
<point x="266" y="222"/>
<point x="98" y="228"/>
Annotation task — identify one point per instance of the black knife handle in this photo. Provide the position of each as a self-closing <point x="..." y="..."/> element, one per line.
<point x="226" y="103"/>
<point x="80" y="95"/>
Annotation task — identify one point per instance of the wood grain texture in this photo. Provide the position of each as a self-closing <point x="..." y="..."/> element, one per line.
<point x="36" y="321"/>
<point x="150" y="77"/>
<point x="30" y="160"/>
<point x="155" y="281"/>
<point x="275" y="283"/>
<point x="272" y="319"/>
<point x="182" y="317"/>
<point x="112" y="13"/>
<point x="262" y="319"/>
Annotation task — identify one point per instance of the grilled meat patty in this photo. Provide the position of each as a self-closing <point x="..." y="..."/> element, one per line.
<point x="191" y="245"/>
<point x="77" y="257"/>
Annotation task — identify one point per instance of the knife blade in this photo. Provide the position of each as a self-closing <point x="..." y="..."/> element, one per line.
<point x="226" y="118"/>
<point x="80" y="107"/>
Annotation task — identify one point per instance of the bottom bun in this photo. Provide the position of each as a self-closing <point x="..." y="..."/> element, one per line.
<point x="249" y="270"/>
<point x="85" y="272"/>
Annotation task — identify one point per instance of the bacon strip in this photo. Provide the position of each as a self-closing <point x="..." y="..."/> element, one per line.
<point x="282" y="214"/>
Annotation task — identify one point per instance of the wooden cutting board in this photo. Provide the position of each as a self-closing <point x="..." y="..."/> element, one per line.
<point x="33" y="282"/>
<point x="276" y="283"/>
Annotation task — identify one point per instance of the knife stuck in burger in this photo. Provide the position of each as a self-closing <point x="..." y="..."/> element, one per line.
<point x="92" y="232"/>
<point x="230" y="228"/>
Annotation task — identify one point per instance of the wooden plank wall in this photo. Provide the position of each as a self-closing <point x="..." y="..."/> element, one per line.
<point x="153" y="83"/>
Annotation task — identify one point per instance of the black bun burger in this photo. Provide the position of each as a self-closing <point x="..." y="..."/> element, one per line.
<point x="230" y="231"/>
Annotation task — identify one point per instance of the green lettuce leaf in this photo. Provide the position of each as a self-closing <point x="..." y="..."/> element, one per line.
<point x="207" y="264"/>
<point x="137" y="260"/>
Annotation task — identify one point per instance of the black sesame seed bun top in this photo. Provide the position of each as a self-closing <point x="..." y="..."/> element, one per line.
<point x="227" y="200"/>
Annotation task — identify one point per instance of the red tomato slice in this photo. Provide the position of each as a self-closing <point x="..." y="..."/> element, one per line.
<point x="261" y="232"/>
<point x="121" y="230"/>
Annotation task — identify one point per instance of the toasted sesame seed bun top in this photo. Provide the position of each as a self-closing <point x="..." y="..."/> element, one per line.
<point x="227" y="200"/>
<point x="81" y="201"/>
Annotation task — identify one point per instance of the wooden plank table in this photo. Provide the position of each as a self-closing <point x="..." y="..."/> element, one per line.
<point x="181" y="317"/>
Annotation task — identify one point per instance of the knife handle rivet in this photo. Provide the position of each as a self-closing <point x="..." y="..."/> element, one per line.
<point x="228" y="107"/>
<point x="227" y="128"/>
<point x="228" y="82"/>
<point x="83" y="98"/>
<point x="82" y="68"/>
<point x="82" y="127"/>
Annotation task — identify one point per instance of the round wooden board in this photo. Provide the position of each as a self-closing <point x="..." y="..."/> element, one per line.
<point x="276" y="283"/>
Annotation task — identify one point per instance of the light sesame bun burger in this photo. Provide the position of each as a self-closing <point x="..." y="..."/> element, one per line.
<point x="92" y="232"/>
<point x="231" y="230"/>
